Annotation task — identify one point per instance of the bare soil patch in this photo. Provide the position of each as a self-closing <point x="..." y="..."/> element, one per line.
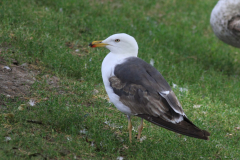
<point x="15" y="80"/>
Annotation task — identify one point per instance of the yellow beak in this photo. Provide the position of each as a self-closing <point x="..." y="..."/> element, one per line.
<point x="97" y="44"/>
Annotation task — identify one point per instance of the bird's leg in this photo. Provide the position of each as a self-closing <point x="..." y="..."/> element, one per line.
<point x="130" y="128"/>
<point x="140" y="127"/>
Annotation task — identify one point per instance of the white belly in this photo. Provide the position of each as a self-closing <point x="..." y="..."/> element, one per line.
<point x="115" y="100"/>
<point x="108" y="71"/>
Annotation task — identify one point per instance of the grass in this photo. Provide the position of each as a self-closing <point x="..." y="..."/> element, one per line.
<point x="71" y="122"/>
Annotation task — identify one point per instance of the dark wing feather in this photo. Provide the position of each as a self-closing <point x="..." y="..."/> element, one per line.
<point x="234" y="25"/>
<point x="184" y="127"/>
<point x="144" y="90"/>
<point x="140" y="82"/>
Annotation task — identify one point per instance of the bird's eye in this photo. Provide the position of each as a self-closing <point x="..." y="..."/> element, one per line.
<point x="117" y="40"/>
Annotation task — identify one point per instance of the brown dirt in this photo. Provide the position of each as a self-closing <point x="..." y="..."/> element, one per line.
<point x="15" y="80"/>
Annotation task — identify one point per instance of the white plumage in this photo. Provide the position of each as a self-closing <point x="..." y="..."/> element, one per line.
<point x="119" y="52"/>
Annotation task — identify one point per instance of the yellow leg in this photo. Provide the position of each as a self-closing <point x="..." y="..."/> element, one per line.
<point x="140" y="129"/>
<point x="130" y="129"/>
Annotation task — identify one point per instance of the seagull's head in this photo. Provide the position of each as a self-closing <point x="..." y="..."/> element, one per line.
<point x="120" y="43"/>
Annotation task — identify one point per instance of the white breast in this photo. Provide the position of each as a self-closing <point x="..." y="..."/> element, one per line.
<point x="108" y="65"/>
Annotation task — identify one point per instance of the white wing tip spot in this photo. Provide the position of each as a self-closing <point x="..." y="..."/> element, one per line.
<point x="164" y="93"/>
<point x="180" y="119"/>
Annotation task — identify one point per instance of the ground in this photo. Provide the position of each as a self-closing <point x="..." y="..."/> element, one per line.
<point x="15" y="80"/>
<point x="62" y="110"/>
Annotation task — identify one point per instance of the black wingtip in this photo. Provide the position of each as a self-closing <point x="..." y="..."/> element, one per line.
<point x="206" y="134"/>
<point x="185" y="127"/>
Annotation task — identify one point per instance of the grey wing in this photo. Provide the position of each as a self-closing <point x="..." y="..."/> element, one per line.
<point x="141" y="101"/>
<point x="144" y="90"/>
<point x="172" y="100"/>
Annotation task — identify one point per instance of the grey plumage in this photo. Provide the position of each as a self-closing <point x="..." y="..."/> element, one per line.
<point x="148" y="95"/>
<point x="225" y="21"/>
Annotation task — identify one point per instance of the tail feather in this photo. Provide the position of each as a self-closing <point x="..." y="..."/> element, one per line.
<point x="185" y="127"/>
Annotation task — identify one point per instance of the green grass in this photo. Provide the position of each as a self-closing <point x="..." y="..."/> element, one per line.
<point x="176" y="34"/>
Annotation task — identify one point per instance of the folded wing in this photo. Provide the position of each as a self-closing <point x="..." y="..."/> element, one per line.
<point x="144" y="90"/>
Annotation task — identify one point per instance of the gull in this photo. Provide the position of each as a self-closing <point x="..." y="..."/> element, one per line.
<point x="136" y="88"/>
<point x="225" y="21"/>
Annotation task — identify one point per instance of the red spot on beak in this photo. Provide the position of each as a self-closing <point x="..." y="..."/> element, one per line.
<point x="92" y="45"/>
